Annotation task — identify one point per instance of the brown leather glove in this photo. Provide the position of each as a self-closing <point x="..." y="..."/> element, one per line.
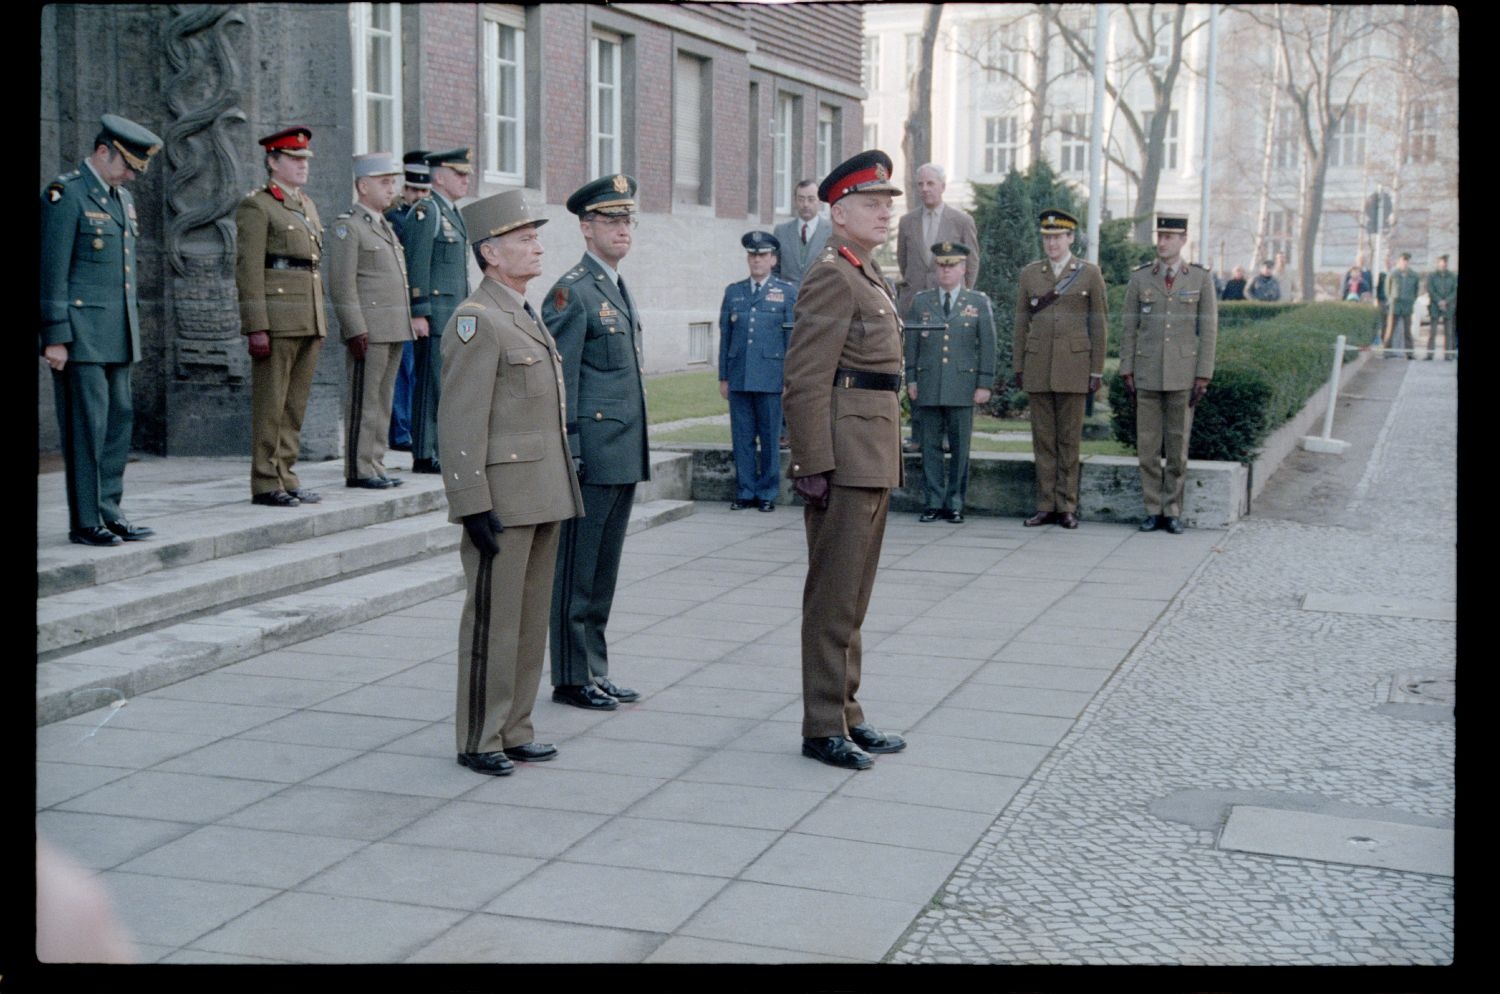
<point x="358" y="346"/>
<point x="814" y="489"/>
<point x="260" y="344"/>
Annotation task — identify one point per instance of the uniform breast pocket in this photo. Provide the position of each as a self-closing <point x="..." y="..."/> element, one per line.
<point x="528" y="372"/>
<point x="608" y="347"/>
<point x="1188" y="346"/>
<point x="295" y="241"/>
<point x="96" y="243"/>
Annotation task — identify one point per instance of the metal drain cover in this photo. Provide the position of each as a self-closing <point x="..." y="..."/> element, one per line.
<point x="1331" y="839"/>
<point x="1436" y="689"/>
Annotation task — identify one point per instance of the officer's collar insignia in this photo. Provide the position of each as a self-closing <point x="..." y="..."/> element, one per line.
<point x="621" y="184"/>
<point x="342" y="231"/>
<point x="467" y="325"/>
<point x="275" y="191"/>
<point x="560" y="298"/>
<point x="853" y="259"/>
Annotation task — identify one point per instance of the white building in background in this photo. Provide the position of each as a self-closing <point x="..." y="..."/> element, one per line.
<point x="1400" y="135"/>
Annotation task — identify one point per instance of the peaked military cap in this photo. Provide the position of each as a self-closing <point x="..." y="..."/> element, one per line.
<point x="950" y="253"/>
<point x="1056" y="221"/>
<point x="1176" y="224"/>
<point x="418" y="174"/>
<point x="291" y="141"/>
<point x="1443" y="257"/>
<point x="606" y="195"/>
<point x="498" y="214"/>
<point x="456" y="159"/>
<point x="135" y="143"/>
<point x="760" y="242"/>
<point x="1406" y="255"/>
<point x="376" y="164"/>
<point x="868" y="172"/>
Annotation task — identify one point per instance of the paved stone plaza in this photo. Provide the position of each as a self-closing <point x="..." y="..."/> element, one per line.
<point x="1085" y="710"/>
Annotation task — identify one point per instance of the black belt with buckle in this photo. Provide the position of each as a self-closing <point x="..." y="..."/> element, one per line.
<point x="290" y="262"/>
<point x="861" y="379"/>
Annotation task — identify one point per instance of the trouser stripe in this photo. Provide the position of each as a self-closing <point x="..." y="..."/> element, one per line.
<point x="356" y="408"/>
<point x="479" y="651"/>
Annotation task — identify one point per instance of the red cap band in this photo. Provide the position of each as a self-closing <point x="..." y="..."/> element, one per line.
<point x="855" y="180"/>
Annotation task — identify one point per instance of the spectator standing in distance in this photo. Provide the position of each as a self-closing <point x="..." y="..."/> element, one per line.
<point x="509" y="480"/>
<point x="843" y="374"/>
<point x="367" y="281"/>
<point x="597" y="324"/>
<point x="1234" y="289"/>
<point x="1265" y="287"/>
<point x="1168" y="333"/>
<point x="802" y="238"/>
<point x="280" y="248"/>
<point x="417" y="186"/>
<point x="91" y="325"/>
<point x="1061" y="327"/>
<point x="1442" y="301"/>
<point x="750" y="371"/>
<point x="1402" y="288"/>
<point x="948" y="372"/>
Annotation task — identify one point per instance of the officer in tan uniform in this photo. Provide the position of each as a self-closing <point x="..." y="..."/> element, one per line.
<point x="510" y="481"/>
<point x="280" y="247"/>
<point x="1167" y="336"/>
<point x="367" y="280"/>
<point x="1060" y="331"/>
<point x="842" y="408"/>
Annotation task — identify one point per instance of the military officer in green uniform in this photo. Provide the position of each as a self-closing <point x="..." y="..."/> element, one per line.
<point x="437" y="266"/>
<point x="418" y="186"/>
<point x="509" y="479"/>
<point x="367" y="281"/>
<point x="1168" y="332"/>
<point x="1442" y="303"/>
<point x="947" y="373"/>
<point x="1402" y="289"/>
<point x="597" y="324"/>
<point x="90" y="324"/>
<point x="1060" y="330"/>
<point x="280" y="250"/>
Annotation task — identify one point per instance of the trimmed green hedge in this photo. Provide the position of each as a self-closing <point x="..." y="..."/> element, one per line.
<point x="1270" y="359"/>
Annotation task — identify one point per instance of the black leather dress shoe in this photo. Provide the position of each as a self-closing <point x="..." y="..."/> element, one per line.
<point x="306" y="496"/>
<point x="953" y="517"/>
<point x="1173" y="526"/>
<point x="1040" y="518"/>
<point x="394" y="481"/>
<point x="425" y="466"/>
<point x="129" y="532"/>
<point x="739" y="504"/>
<point x="588" y="697"/>
<point x="929" y="514"/>
<point x="370" y="483"/>
<point x="276" y="498"/>
<point x="1067" y="519"/>
<point x="97" y="535"/>
<point x="837" y="751"/>
<point x="1151" y="523"/>
<point x="532" y="752"/>
<point x="766" y="505"/>
<point x="490" y="763"/>
<point x="623" y="694"/>
<point x="871" y="739"/>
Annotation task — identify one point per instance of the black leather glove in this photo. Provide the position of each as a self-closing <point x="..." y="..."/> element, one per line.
<point x="482" y="529"/>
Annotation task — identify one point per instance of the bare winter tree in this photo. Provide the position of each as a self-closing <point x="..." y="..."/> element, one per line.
<point x="916" y="140"/>
<point x="1001" y="49"/>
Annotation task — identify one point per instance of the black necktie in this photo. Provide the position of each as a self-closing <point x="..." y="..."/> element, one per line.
<point x="531" y="313"/>
<point x="620" y="282"/>
<point x="947" y="304"/>
<point x="754" y="289"/>
<point x="804" y="232"/>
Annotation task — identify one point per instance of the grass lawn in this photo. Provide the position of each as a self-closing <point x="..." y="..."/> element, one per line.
<point x="675" y="396"/>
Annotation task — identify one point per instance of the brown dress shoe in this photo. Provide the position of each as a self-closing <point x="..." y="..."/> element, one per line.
<point x="1068" y="519"/>
<point x="1040" y="518"/>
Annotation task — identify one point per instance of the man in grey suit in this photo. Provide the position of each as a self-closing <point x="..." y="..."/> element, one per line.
<point x="926" y="226"/>
<point x="802" y="238"/>
<point x="597" y="324"/>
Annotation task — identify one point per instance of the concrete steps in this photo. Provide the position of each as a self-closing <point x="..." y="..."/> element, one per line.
<point x="121" y="621"/>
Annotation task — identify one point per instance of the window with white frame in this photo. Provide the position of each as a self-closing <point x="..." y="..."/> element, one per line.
<point x="913" y="57"/>
<point x="1286" y="143"/>
<point x="690" y="135"/>
<point x="869" y="68"/>
<point x="1075" y="143"/>
<point x="1160" y="41"/>
<point x="1002" y="51"/>
<point x="1339" y="238"/>
<point x="1412" y="233"/>
<point x="1421" y="133"/>
<point x="829" y="153"/>
<point x="1000" y="144"/>
<point x="1346" y="140"/>
<point x="1279" y="234"/>
<point x="698" y="335"/>
<point x="1080" y="25"/>
<point x="375" y="36"/>
<point x="1169" y="140"/>
<point x="872" y="136"/>
<point x="606" y="51"/>
<point x="783" y="151"/>
<point x="505" y="97"/>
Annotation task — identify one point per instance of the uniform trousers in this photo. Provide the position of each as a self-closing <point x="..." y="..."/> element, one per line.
<point x="279" y="388"/>
<point x="583" y="590"/>
<point x="372" y="379"/>
<point x="843" y="551"/>
<point x="755" y="430"/>
<point x="1163" y="424"/>
<point x="94" y="414"/>
<point x="426" y="384"/>
<point x="400" y="431"/>
<point x="502" y="636"/>
<point x="1056" y="430"/>
<point x="956" y="425"/>
<point x="1400" y="337"/>
<point x="1445" y="322"/>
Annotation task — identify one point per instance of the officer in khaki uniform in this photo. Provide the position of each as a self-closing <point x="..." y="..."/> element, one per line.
<point x="509" y="479"/>
<point x="948" y="371"/>
<point x="91" y="326"/>
<point x="367" y="280"/>
<point x="1060" y="337"/>
<point x="280" y="250"/>
<point x="1167" y="336"/>
<point x="843" y="413"/>
<point x="437" y="266"/>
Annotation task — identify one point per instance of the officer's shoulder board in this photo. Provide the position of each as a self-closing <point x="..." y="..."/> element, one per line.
<point x="1198" y="265"/>
<point x="572" y="276"/>
<point x="1144" y="265"/>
